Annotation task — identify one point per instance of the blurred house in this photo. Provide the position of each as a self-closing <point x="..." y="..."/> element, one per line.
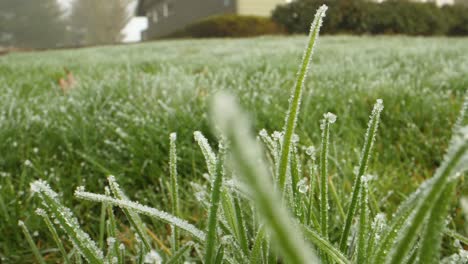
<point x="168" y="16"/>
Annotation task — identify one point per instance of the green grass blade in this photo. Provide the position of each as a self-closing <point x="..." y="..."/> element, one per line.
<point x="329" y="119"/>
<point x="67" y="221"/>
<point x="112" y="227"/>
<point x="256" y="253"/>
<point x="102" y="225"/>
<point x="240" y="222"/>
<point x="177" y="256"/>
<point x="212" y="218"/>
<point x="456" y="236"/>
<point x="431" y="239"/>
<point x="363" y="236"/>
<point x="296" y="96"/>
<point x="54" y="233"/>
<point x="132" y="217"/>
<point x="365" y="157"/>
<point x="455" y="163"/>
<point x="219" y="255"/>
<point x="142" y="209"/>
<point x="323" y="245"/>
<point x="31" y="243"/>
<point x="174" y="188"/>
<point x="247" y="160"/>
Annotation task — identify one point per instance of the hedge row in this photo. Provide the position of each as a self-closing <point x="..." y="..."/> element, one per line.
<point x="230" y="26"/>
<point x="368" y="17"/>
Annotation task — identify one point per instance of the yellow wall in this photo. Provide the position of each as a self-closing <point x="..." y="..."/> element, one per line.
<point x="257" y="7"/>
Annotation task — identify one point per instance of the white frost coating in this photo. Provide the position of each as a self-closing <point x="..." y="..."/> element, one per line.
<point x="142" y="209"/>
<point x="152" y="258"/>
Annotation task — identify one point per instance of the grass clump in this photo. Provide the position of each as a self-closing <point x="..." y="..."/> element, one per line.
<point x="262" y="207"/>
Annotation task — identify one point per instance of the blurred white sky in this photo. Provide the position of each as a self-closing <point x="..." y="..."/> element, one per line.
<point x="133" y="29"/>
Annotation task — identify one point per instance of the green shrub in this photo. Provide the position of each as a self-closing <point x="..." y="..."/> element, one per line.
<point x="230" y="26"/>
<point x="457" y="17"/>
<point x="366" y="17"/>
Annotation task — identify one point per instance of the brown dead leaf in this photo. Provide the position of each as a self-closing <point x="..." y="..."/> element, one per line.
<point x="67" y="82"/>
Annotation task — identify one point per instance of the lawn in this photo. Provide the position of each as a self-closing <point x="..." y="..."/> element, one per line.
<point x="127" y="99"/>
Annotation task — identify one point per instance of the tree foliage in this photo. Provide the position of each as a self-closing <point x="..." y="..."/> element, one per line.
<point x="98" y="21"/>
<point x="32" y="23"/>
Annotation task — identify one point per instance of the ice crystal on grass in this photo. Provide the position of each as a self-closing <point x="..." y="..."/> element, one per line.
<point x="152" y="257"/>
<point x="142" y="209"/>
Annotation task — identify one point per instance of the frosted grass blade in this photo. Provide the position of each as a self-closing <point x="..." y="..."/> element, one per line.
<point x="174" y="188"/>
<point x="247" y="160"/>
<point x="325" y="246"/>
<point x="132" y="217"/>
<point x="212" y="218"/>
<point x="454" y="164"/>
<point x="363" y="235"/>
<point x="328" y="119"/>
<point x="365" y="157"/>
<point x="54" y="233"/>
<point x="142" y="209"/>
<point x="67" y="221"/>
<point x="296" y="96"/>
<point x="31" y="243"/>
<point x="431" y="239"/>
<point x="177" y="256"/>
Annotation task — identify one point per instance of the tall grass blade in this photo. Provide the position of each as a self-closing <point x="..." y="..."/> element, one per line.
<point x="31" y="243"/>
<point x="67" y="221"/>
<point x="363" y="236"/>
<point x="454" y="164"/>
<point x="54" y="233"/>
<point x="132" y="217"/>
<point x="296" y="96"/>
<point x="247" y="159"/>
<point x="328" y="119"/>
<point x="174" y="188"/>
<point x="256" y="253"/>
<point x="177" y="256"/>
<point x="242" y="236"/>
<point x="212" y="218"/>
<point x="431" y="239"/>
<point x="365" y="157"/>
<point x="323" y="245"/>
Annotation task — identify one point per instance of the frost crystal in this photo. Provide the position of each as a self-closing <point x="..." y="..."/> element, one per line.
<point x="302" y="186"/>
<point x="263" y="133"/>
<point x="153" y="257"/>
<point x="310" y="151"/>
<point x="28" y="163"/>
<point x="330" y="117"/>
